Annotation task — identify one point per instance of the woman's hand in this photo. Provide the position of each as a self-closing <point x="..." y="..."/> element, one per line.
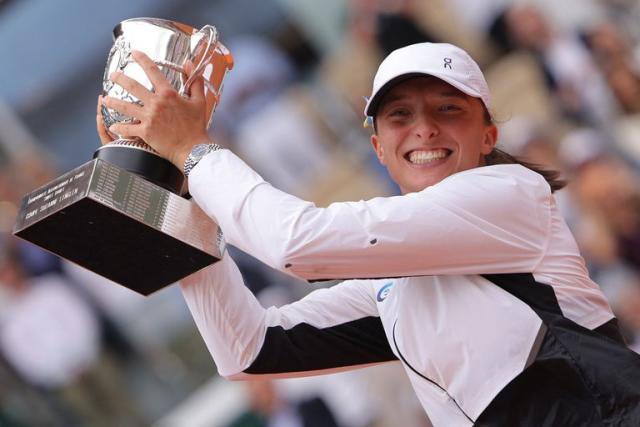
<point x="171" y="124"/>
<point x="105" y="138"/>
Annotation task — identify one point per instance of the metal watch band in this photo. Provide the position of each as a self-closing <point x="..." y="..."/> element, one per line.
<point x="197" y="153"/>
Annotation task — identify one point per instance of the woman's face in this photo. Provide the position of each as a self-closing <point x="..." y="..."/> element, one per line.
<point x="427" y="130"/>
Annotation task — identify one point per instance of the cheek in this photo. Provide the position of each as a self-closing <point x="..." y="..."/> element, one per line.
<point x="391" y="138"/>
<point x="472" y="149"/>
<point x="477" y="143"/>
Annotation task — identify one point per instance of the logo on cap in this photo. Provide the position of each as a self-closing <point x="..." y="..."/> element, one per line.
<point x="447" y="63"/>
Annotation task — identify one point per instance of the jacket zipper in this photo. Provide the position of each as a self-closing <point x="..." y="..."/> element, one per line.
<point x="424" y="377"/>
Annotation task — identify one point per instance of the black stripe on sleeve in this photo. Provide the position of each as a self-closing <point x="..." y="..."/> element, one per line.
<point x="540" y="297"/>
<point x="307" y="348"/>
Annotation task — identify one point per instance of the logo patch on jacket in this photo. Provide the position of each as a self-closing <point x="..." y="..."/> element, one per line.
<point x="384" y="292"/>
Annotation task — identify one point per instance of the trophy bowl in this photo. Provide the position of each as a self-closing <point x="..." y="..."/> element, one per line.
<point x="171" y="45"/>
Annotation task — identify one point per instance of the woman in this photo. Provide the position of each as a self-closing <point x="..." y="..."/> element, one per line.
<point x="471" y="278"/>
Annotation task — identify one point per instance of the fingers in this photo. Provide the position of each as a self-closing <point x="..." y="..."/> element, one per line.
<point x="126" y="130"/>
<point x="131" y="85"/>
<point x="151" y="70"/>
<point x="104" y="136"/>
<point x="123" y="107"/>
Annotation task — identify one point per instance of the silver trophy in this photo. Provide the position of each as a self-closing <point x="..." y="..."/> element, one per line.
<point x="170" y="45"/>
<point x="123" y="215"/>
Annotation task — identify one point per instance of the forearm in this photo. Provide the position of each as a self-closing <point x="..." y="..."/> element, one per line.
<point x="228" y="316"/>
<point x="331" y="329"/>
<point x="451" y="229"/>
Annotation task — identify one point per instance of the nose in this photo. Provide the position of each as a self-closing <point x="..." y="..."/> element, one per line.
<point x="426" y="127"/>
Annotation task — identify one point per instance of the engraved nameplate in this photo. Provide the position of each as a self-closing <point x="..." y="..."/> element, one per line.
<point x="120" y="226"/>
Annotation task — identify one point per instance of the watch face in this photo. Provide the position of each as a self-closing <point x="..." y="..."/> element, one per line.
<point x="200" y="150"/>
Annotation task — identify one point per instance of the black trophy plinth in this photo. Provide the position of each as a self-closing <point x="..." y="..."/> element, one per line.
<point x="143" y="163"/>
<point x="121" y="226"/>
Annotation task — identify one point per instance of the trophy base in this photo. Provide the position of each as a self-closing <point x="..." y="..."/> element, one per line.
<point x="120" y="226"/>
<point x="137" y="157"/>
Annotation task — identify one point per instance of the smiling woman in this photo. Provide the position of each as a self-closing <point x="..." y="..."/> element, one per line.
<point x="471" y="279"/>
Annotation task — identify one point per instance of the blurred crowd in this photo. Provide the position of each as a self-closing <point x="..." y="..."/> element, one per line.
<point x="78" y="350"/>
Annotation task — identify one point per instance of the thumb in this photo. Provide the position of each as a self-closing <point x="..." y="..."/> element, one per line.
<point x="196" y="90"/>
<point x="188" y="67"/>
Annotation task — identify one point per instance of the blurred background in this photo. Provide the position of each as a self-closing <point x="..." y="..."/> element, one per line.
<point x="76" y="349"/>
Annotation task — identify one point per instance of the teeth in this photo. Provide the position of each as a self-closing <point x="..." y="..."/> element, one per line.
<point x="420" y="157"/>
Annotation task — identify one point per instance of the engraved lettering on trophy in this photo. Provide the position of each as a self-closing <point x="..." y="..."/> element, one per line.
<point x="57" y="189"/>
<point x="31" y="213"/>
<point x="69" y="194"/>
<point x="106" y="182"/>
<point x="48" y="205"/>
<point x="35" y="198"/>
<point x="52" y="196"/>
<point x="55" y="196"/>
<point x="188" y="222"/>
<point x="138" y="202"/>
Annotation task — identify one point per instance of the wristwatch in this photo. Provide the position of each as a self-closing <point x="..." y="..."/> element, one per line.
<point x="197" y="153"/>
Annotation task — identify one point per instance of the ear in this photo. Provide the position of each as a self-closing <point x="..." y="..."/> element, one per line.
<point x="377" y="147"/>
<point x="490" y="139"/>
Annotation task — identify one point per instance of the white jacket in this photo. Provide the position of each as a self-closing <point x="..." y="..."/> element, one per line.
<point x="460" y="337"/>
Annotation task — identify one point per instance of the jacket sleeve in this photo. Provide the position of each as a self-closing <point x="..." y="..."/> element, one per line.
<point x="482" y="221"/>
<point x="329" y="330"/>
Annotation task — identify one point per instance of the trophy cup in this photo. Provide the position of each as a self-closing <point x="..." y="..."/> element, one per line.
<point x="123" y="215"/>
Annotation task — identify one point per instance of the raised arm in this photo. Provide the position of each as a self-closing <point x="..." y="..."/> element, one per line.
<point x="481" y="221"/>
<point x="329" y="330"/>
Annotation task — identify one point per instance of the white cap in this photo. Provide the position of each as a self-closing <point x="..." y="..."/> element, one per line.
<point x="442" y="60"/>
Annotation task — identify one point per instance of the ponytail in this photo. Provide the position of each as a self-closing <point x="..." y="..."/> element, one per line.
<point x="499" y="157"/>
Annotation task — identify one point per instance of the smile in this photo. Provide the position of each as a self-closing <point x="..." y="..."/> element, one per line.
<point x="419" y="157"/>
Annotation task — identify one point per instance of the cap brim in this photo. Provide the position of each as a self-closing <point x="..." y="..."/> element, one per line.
<point x="374" y="102"/>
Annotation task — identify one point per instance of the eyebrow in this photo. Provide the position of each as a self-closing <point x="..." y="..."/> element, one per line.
<point x="388" y="99"/>
<point x="455" y="94"/>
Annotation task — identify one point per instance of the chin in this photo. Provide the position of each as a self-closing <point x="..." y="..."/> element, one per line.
<point x="415" y="188"/>
<point x="418" y="182"/>
<point x="428" y="182"/>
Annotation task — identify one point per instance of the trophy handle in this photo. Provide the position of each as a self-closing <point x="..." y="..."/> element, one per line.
<point x="212" y="40"/>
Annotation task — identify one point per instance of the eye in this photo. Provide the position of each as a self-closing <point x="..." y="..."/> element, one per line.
<point x="399" y="112"/>
<point x="449" y="108"/>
